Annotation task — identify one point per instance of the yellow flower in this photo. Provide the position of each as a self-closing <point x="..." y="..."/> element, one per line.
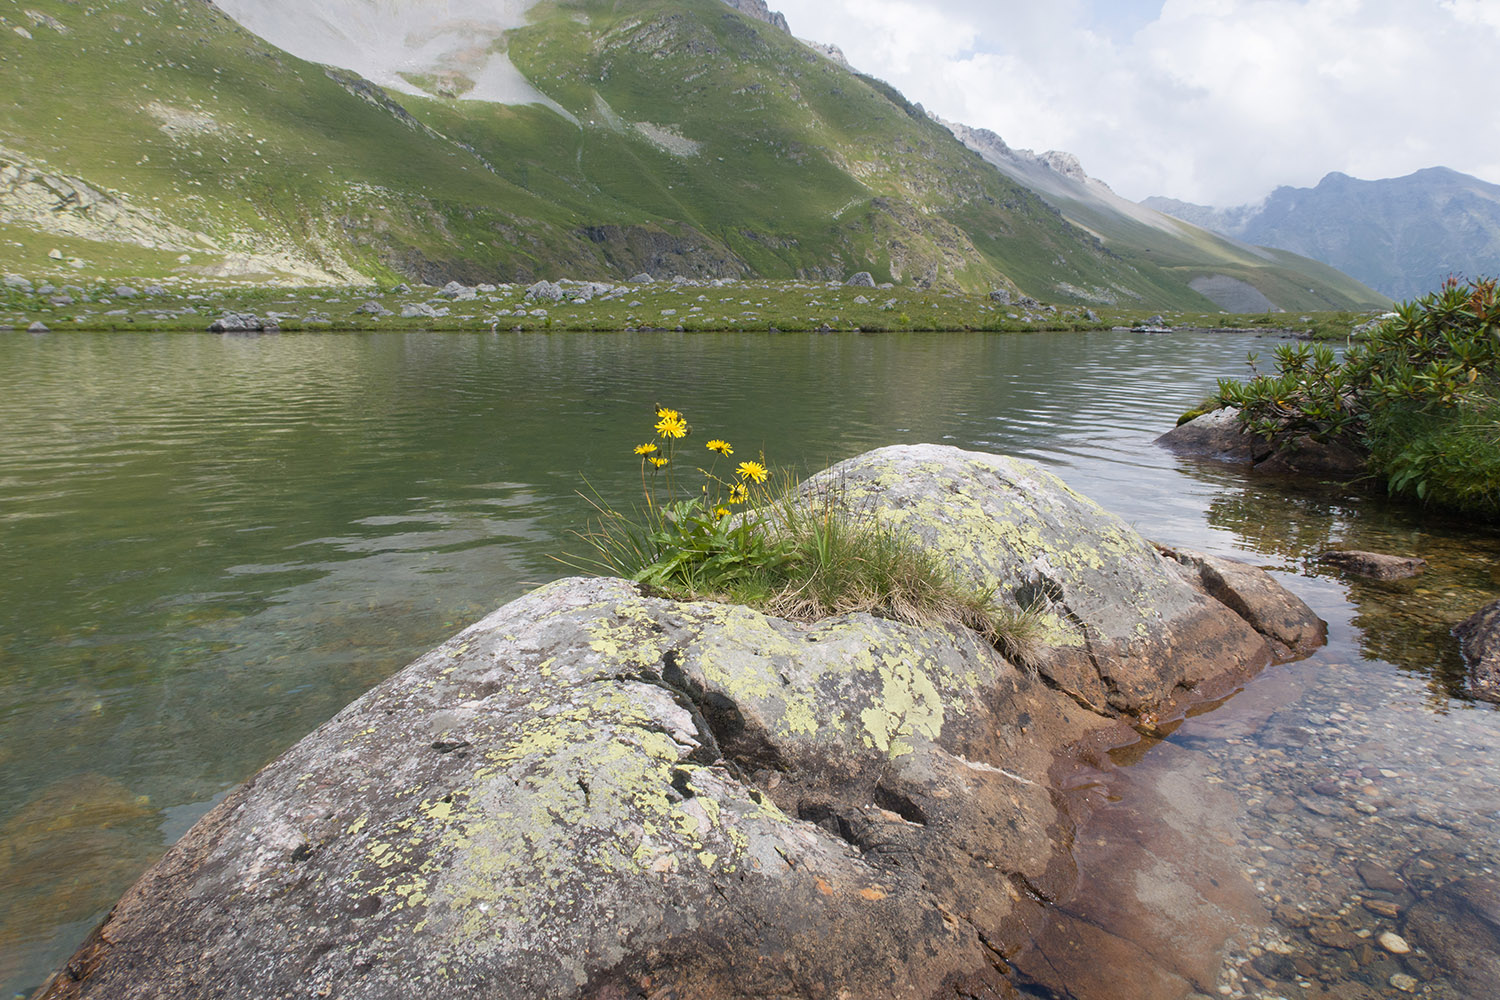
<point x="722" y="447"/>
<point x="646" y="449"/>
<point x="671" y="425"/>
<point x="660" y="463"/>
<point x="720" y="513"/>
<point x="739" y="493"/>
<point x="753" y="471"/>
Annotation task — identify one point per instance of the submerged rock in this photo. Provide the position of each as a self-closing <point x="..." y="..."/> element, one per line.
<point x="1375" y="565"/>
<point x="596" y="793"/>
<point x="1459" y="924"/>
<point x="1479" y="638"/>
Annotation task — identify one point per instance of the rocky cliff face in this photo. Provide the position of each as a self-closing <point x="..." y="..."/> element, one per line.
<point x="594" y="793"/>
<point x="758" y="10"/>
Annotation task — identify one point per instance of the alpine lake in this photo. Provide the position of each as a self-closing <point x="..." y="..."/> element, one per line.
<point x="210" y="544"/>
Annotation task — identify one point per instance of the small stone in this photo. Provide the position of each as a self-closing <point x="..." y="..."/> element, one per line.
<point x="1404" y="983"/>
<point x="55" y="254"/>
<point x="1394" y="943"/>
<point x="1384" y="907"/>
<point x="38" y="327"/>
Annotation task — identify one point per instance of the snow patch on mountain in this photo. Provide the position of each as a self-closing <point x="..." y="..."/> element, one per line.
<point x="395" y="42"/>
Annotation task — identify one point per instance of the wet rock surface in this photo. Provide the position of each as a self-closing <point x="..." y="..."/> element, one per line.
<point x="596" y="793"/>
<point x="1479" y="639"/>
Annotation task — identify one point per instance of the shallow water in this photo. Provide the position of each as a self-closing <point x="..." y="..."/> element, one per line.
<point x="210" y="544"/>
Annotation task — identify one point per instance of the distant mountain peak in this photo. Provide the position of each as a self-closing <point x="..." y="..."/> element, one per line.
<point x="1402" y="235"/>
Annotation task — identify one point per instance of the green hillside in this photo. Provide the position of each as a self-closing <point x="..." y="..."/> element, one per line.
<point x="147" y="139"/>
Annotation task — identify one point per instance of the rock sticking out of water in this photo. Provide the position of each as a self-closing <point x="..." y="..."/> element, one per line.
<point x="1375" y="565"/>
<point x="598" y="793"/>
<point x="1479" y="639"/>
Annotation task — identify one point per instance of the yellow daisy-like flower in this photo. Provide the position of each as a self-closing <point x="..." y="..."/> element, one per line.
<point x="753" y="471"/>
<point x="722" y="447"/>
<point x="660" y="463"/>
<point x="671" y="425"/>
<point x="739" y="493"/>
<point x="646" y="449"/>
<point x="720" y="513"/>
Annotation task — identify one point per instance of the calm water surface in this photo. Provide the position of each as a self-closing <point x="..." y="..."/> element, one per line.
<point x="210" y="544"/>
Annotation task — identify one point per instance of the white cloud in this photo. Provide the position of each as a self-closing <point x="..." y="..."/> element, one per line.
<point x="1209" y="100"/>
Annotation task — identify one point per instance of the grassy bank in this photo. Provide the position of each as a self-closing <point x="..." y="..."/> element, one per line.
<point x="78" y="304"/>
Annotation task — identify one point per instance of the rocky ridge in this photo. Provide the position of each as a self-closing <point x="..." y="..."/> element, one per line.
<point x="598" y="793"/>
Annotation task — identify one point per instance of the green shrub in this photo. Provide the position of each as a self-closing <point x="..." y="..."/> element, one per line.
<point x="1419" y="393"/>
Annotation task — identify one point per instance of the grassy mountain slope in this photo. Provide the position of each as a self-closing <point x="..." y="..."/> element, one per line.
<point x="144" y="138"/>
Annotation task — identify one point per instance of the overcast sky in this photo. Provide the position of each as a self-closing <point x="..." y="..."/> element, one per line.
<point x="1212" y="101"/>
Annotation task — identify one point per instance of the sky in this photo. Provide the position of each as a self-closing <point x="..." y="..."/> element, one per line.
<point x="1210" y="101"/>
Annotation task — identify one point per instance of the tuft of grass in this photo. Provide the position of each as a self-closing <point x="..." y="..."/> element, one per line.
<point x="800" y="555"/>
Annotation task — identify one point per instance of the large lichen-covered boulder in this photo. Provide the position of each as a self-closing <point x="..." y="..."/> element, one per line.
<point x="1126" y="632"/>
<point x="595" y="793"/>
<point x="591" y="792"/>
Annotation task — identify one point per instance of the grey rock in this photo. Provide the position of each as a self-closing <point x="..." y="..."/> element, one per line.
<point x="642" y="279"/>
<point x="1091" y="316"/>
<point x="157" y="291"/>
<point x="545" y="291"/>
<point x="16" y="281"/>
<point x="1479" y="639"/>
<point x="61" y="301"/>
<point x="126" y="292"/>
<point x="1375" y="565"/>
<point x="1218" y="435"/>
<point x="1000" y="296"/>
<point x="592" y="789"/>
<point x="47" y="289"/>
<point x="1102" y="593"/>
<point x="459" y="292"/>
<point x="402" y="289"/>
<point x="243" y="323"/>
<point x="422" y="310"/>
<point x="38" y="327"/>
<point x="373" y="308"/>
<point x="1157" y="320"/>
<point x="863" y="279"/>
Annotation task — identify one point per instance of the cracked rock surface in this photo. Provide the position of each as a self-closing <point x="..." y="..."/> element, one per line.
<point x="598" y="794"/>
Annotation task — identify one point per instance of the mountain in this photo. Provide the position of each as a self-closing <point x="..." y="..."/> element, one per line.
<point x="1402" y="236"/>
<point x="508" y="140"/>
<point x="1236" y="275"/>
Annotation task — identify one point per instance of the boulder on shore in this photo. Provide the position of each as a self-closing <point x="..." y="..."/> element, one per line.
<point x="597" y="793"/>
<point x="1220" y="436"/>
